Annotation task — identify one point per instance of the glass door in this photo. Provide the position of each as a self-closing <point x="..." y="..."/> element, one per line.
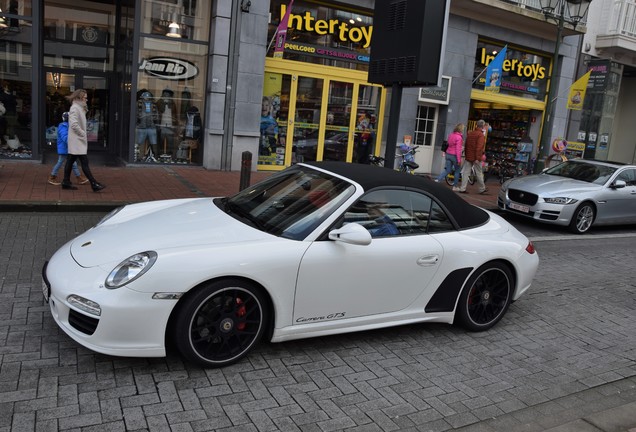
<point x="336" y="142"/>
<point x="308" y="112"/>
<point x="59" y="85"/>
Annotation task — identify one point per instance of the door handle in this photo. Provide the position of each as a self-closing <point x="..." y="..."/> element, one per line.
<point x="428" y="260"/>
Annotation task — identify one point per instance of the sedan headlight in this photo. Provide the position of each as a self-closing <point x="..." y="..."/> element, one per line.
<point x="130" y="269"/>
<point x="560" y="200"/>
<point x="504" y="186"/>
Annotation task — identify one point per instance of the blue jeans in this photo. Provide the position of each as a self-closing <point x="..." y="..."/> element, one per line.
<point x="451" y="166"/>
<point x="60" y="161"/>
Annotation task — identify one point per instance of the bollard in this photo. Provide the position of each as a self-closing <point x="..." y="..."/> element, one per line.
<point x="246" y="170"/>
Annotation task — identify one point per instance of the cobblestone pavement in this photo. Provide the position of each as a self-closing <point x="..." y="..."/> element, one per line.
<point x="564" y="351"/>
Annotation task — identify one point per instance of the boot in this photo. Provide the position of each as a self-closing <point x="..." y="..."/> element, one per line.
<point x="97" y="186"/>
<point x="81" y="179"/>
<point x="53" y="180"/>
<point x="68" y="185"/>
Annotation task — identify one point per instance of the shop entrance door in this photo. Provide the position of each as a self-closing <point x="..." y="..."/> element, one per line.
<point x="60" y="84"/>
<point x="311" y="115"/>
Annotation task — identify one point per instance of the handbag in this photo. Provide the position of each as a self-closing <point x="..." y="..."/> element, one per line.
<point x="444" y="146"/>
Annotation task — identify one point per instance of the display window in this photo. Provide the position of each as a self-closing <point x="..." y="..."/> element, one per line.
<point x="316" y="114"/>
<point x="178" y="19"/>
<point x="16" y="76"/>
<point x="509" y="147"/>
<point x="169" y="105"/>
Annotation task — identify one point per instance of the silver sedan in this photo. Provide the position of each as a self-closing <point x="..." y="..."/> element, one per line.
<point x="577" y="193"/>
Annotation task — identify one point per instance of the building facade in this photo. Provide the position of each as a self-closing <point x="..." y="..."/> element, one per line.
<point x="609" y="50"/>
<point x="198" y="82"/>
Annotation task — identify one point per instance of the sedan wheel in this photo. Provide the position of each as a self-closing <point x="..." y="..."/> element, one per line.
<point x="220" y="323"/>
<point x="583" y="218"/>
<point x="486" y="297"/>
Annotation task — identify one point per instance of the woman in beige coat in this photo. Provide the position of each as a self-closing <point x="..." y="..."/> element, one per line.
<point x="77" y="140"/>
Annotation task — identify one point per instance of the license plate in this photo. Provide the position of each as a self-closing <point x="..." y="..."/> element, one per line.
<point x="519" y="207"/>
<point x="46" y="291"/>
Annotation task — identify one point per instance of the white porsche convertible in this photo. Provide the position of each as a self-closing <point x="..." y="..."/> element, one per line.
<point x="317" y="249"/>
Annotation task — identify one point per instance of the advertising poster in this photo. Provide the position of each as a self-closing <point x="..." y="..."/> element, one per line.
<point x="271" y="145"/>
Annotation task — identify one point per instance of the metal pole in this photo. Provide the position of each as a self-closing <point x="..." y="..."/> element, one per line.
<point x="392" y="130"/>
<point x="546" y="132"/>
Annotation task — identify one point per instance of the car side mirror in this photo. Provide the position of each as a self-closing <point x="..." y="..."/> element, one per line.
<point x="352" y="233"/>
<point x="618" y="184"/>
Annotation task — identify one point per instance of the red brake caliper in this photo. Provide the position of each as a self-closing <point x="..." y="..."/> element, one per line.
<point x="240" y="313"/>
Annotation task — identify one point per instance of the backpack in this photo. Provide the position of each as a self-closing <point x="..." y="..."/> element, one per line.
<point x="444" y="146"/>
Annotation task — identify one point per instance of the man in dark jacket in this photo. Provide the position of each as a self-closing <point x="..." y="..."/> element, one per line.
<point x="474" y="150"/>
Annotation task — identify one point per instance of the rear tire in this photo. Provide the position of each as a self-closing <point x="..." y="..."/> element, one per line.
<point x="583" y="218"/>
<point x="486" y="297"/>
<point x="450" y="178"/>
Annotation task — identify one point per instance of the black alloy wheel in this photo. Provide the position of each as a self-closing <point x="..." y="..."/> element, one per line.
<point x="486" y="297"/>
<point x="583" y="218"/>
<point x="220" y="323"/>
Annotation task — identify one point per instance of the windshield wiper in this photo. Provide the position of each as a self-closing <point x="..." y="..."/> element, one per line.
<point x="234" y="209"/>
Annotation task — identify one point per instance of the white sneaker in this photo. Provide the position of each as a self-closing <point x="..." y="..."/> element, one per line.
<point x="456" y="189"/>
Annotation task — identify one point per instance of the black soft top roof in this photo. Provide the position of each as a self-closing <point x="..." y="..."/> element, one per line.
<point x="370" y="177"/>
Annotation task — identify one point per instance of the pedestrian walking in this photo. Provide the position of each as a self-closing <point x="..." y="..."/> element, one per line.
<point x="78" y="141"/>
<point x="453" y="155"/>
<point x="62" y="152"/>
<point x="475" y="147"/>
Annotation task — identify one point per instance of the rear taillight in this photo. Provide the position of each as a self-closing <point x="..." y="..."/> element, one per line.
<point x="530" y="248"/>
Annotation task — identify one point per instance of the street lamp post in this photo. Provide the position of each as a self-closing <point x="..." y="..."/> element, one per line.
<point x="556" y="10"/>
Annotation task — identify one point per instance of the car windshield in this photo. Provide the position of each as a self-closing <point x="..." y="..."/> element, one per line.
<point x="289" y="204"/>
<point x="583" y="171"/>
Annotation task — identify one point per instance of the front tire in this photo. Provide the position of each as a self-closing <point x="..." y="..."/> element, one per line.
<point x="583" y="218"/>
<point x="486" y="297"/>
<point x="220" y="323"/>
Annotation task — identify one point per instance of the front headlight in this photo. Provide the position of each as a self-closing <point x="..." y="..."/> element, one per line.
<point x="130" y="269"/>
<point x="560" y="200"/>
<point x="504" y="186"/>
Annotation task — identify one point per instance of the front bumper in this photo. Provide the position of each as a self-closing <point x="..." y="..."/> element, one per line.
<point x="556" y="214"/>
<point x="130" y="324"/>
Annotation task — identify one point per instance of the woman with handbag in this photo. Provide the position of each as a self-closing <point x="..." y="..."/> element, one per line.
<point x="453" y="155"/>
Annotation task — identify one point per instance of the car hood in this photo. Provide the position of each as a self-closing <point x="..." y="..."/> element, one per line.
<point x="160" y="225"/>
<point x="545" y="184"/>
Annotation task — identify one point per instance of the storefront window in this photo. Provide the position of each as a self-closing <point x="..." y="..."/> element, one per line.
<point x="16" y="76"/>
<point x="170" y="99"/>
<point x="180" y="19"/>
<point x="323" y="35"/>
<point x="525" y="74"/>
<point x="366" y="124"/>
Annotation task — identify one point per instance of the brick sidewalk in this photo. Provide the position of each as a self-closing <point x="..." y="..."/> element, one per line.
<point x="23" y="184"/>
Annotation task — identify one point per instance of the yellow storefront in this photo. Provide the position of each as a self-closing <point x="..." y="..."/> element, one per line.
<point x="317" y="103"/>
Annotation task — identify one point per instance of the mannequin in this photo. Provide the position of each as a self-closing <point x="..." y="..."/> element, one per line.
<point x="168" y="121"/>
<point x="191" y="134"/>
<point x="147" y="118"/>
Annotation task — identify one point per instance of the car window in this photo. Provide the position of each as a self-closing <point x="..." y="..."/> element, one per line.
<point x="628" y="176"/>
<point x="583" y="171"/>
<point x="397" y="213"/>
